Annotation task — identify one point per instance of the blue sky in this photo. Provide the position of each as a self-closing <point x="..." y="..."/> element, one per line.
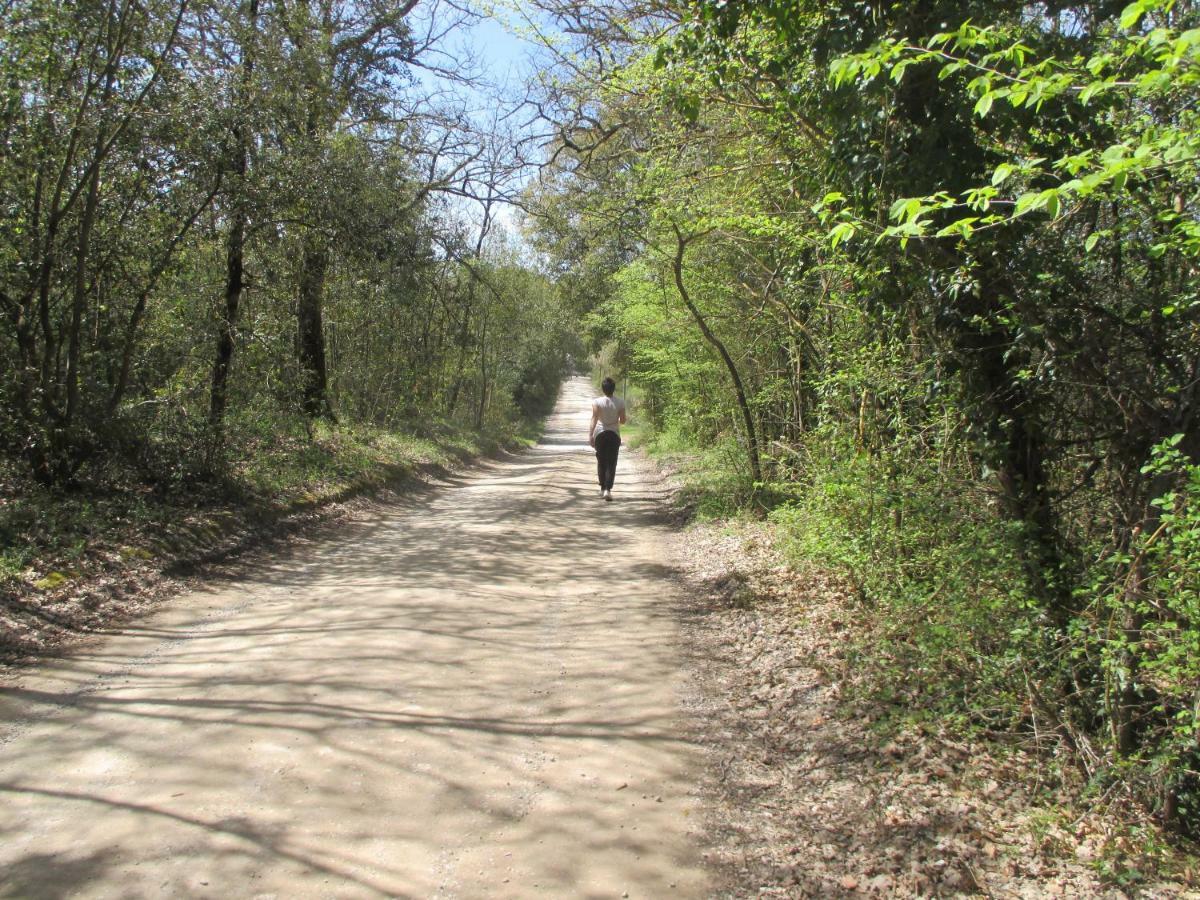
<point x="505" y="54"/>
<point x="493" y="42"/>
<point x="504" y="60"/>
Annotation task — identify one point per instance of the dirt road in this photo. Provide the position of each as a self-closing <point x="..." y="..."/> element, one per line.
<point x="473" y="694"/>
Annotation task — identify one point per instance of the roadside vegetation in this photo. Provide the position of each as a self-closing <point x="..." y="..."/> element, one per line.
<point x="86" y="558"/>
<point x="249" y="265"/>
<point x="917" y="283"/>
<point x="914" y="282"/>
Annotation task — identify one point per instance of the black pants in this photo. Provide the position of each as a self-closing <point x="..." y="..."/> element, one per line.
<point x="608" y="443"/>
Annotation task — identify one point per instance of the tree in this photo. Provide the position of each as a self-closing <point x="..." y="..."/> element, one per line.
<point x="242" y="136"/>
<point x="953" y="269"/>
<point x="84" y="107"/>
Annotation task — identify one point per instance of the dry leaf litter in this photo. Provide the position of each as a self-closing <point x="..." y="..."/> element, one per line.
<point x="808" y="802"/>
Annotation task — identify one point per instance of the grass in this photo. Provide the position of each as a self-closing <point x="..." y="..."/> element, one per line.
<point x="300" y="470"/>
<point x="711" y="484"/>
<point x="119" y="516"/>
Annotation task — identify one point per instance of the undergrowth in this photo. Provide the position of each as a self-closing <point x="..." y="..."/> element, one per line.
<point x="948" y="633"/>
<point x="710" y="486"/>
<point x="127" y="505"/>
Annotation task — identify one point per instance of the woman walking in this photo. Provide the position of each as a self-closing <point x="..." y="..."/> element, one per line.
<point x="604" y="434"/>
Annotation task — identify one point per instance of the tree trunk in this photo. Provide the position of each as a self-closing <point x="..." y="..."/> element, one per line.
<point x="139" y="307"/>
<point x="311" y="330"/>
<point x="79" y="293"/>
<point x="743" y="405"/>
<point x="235" y="245"/>
<point x="227" y="325"/>
<point x="1015" y="442"/>
<point x="465" y="331"/>
<point x="483" y="374"/>
<point x="464" y="344"/>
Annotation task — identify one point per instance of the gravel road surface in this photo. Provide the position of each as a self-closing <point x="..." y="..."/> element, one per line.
<point x="475" y="692"/>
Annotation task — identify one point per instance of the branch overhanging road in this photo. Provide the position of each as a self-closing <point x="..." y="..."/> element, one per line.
<point x="475" y="693"/>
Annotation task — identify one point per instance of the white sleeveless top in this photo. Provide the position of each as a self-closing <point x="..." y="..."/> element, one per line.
<point x="608" y="413"/>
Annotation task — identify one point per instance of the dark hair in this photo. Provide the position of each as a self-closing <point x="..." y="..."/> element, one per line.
<point x="608" y="386"/>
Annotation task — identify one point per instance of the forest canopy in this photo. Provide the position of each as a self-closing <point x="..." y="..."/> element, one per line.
<point x="228" y="219"/>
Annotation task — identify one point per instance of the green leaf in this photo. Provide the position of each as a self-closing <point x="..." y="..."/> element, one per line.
<point x="1114" y="153"/>
<point x="898" y="69"/>
<point x="906" y="209"/>
<point x="1099" y="63"/>
<point x="980" y="199"/>
<point x="1027" y="202"/>
<point x="1003" y="171"/>
<point x="841" y="232"/>
<point x="843" y="70"/>
<point x="1091" y="242"/>
<point x="984" y="104"/>
<point x="1090" y="91"/>
<point x="951" y="69"/>
<point x="1189" y="38"/>
<point x="962" y="227"/>
<point x="1132" y="14"/>
<point x="1155" y="80"/>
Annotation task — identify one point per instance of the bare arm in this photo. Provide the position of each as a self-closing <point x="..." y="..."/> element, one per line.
<point x="592" y="426"/>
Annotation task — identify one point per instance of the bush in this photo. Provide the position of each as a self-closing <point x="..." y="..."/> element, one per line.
<point x="948" y="625"/>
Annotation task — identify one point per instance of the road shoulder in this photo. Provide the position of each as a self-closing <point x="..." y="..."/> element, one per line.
<point x="805" y="801"/>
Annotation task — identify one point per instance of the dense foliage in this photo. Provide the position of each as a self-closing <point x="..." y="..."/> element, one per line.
<point x="928" y="272"/>
<point x="224" y="221"/>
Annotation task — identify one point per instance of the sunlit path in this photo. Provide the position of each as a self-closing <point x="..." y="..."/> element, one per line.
<point x="473" y="694"/>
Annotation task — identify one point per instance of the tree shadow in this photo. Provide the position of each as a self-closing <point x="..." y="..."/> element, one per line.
<point x="50" y="876"/>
